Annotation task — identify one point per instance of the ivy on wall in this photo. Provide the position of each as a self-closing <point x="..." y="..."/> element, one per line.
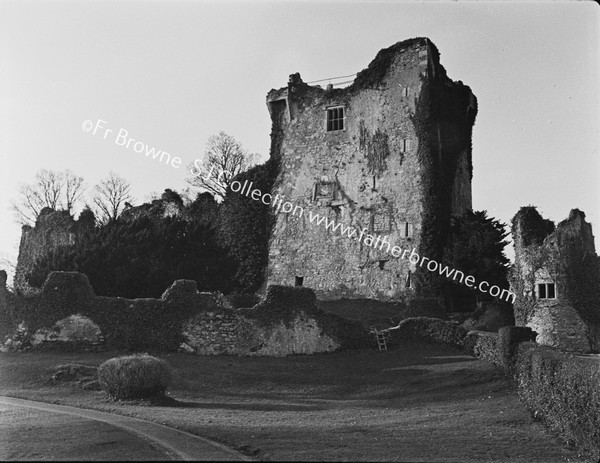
<point x="443" y="124"/>
<point x="245" y="225"/>
<point x="534" y="228"/>
<point x="375" y="148"/>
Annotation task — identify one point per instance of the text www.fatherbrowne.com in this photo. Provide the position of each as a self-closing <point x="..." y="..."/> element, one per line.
<point x="378" y="242"/>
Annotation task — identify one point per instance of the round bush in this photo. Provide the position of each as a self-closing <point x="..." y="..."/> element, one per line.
<point x="134" y="376"/>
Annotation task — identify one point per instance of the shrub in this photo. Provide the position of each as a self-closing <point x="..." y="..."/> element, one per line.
<point x="78" y="328"/>
<point x="483" y="345"/>
<point x="19" y="342"/>
<point x="134" y="376"/>
<point x="491" y="316"/>
<point x="509" y="338"/>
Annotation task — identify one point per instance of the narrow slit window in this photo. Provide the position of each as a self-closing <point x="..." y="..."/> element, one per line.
<point x="405" y="146"/>
<point x="335" y="119"/>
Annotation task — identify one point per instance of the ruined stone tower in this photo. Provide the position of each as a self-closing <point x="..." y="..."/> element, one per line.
<point x="391" y="153"/>
<point x="556" y="280"/>
<point x="53" y="229"/>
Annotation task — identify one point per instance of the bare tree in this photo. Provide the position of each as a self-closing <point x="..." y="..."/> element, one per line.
<point x="56" y="190"/>
<point x="224" y="158"/>
<point x="73" y="190"/>
<point x="110" y="197"/>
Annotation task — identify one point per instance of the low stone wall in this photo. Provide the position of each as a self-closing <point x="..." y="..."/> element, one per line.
<point x="560" y="326"/>
<point x="132" y="324"/>
<point x="287" y="322"/>
<point x="427" y="329"/>
<point x="214" y="333"/>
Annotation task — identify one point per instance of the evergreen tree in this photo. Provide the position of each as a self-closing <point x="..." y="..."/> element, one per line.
<point x="475" y="246"/>
<point x="143" y="255"/>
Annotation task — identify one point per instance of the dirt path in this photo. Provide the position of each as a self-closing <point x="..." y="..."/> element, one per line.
<point x="37" y="430"/>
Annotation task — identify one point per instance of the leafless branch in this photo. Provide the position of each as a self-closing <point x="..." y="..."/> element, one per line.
<point x="56" y="190"/>
<point x="110" y="197"/>
<point x="224" y="158"/>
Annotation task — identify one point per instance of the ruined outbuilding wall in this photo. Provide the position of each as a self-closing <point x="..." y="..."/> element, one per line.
<point x="228" y="333"/>
<point x="566" y="258"/>
<point x="378" y="173"/>
<point x="52" y="230"/>
<point x="286" y="322"/>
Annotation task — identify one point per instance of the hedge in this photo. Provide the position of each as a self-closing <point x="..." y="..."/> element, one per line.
<point x="483" y="345"/>
<point x="563" y="391"/>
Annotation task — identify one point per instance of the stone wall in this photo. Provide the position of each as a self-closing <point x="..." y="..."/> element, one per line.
<point x="53" y="229"/>
<point x="427" y="329"/>
<point x="214" y="333"/>
<point x="287" y="322"/>
<point x="566" y="259"/>
<point x="368" y="176"/>
<point x="133" y="324"/>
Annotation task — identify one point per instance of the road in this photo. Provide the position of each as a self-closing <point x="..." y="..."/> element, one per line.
<point x="39" y="431"/>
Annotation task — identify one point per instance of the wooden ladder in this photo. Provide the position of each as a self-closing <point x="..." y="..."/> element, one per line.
<point x="381" y="340"/>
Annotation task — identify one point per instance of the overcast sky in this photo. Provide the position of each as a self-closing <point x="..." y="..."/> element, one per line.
<point x="173" y="73"/>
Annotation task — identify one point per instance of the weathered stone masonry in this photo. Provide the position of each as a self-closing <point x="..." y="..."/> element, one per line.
<point x="287" y="322"/>
<point x="52" y="230"/>
<point x="556" y="279"/>
<point x="377" y="173"/>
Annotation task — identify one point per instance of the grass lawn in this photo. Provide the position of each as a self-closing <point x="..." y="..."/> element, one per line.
<point x="417" y="403"/>
<point x="367" y="311"/>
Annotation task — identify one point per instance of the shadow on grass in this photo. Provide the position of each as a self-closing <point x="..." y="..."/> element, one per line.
<point x="171" y="402"/>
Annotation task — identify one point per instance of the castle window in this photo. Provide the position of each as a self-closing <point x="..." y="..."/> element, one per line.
<point x="405" y="91"/>
<point x="546" y="291"/>
<point x="405" y="145"/>
<point x="408" y="284"/>
<point x="299" y="281"/>
<point x="406" y="230"/>
<point x="335" y="118"/>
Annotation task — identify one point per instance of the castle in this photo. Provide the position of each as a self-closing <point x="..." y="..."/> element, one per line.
<point x="390" y="153"/>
